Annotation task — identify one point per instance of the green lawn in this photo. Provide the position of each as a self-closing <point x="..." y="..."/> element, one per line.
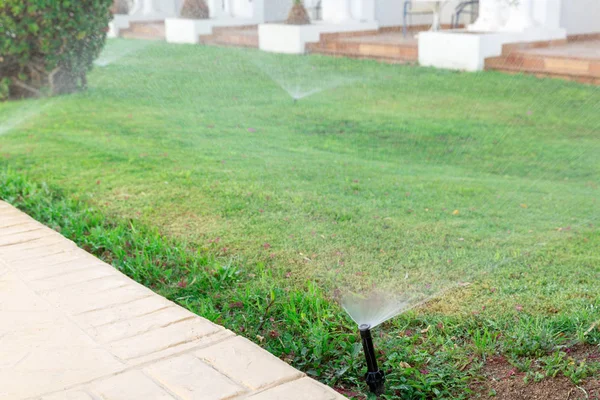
<point x="406" y="178"/>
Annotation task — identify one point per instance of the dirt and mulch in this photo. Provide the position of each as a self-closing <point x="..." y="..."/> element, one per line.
<point x="502" y="381"/>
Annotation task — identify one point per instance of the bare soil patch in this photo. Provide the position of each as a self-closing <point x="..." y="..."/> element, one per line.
<point x="502" y="381"/>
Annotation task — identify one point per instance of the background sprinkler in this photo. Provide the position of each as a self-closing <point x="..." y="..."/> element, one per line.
<point x="374" y="377"/>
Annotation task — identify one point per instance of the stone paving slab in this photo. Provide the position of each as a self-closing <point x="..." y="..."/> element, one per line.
<point x="75" y="328"/>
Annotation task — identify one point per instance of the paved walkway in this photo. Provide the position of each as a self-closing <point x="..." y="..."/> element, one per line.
<point x="74" y="328"/>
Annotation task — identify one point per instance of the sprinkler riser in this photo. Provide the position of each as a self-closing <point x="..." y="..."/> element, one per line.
<point x="375" y="377"/>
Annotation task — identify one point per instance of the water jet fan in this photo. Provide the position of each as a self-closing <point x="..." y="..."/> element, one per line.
<point x="375" y="377"/>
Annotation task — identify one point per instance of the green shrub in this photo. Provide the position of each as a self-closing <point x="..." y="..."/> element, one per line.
<point x="48" y="46"/>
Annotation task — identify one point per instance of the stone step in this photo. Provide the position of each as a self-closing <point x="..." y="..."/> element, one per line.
<point x="337" y="35"/>
<point x="217" y="30"/>
<point x="510" y="48"/>
<point x="580" y="70"/>
<point x="236" y="37"/>
<point x="145" y="30"/>
<point x="315" y="49"/>
<point x="523" y="58"/>
<point x="551" y="65"/>
<point x="231" y="40"/>
<point x="515" y="61"/>
<point x="382" y="51"/>
<point x="590" y="80"/>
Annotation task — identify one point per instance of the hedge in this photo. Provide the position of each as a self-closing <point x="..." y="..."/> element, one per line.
<point x="48" y="46"/>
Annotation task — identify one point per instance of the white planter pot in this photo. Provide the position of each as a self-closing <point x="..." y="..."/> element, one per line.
<point x="119" y="22"/>
<point x="292" y="39"/>
<point x="180" y="30"/>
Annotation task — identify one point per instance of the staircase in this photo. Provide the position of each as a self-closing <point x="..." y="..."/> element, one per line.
<point x="238" y="36"/>
<point x="151" y="30"/>
<point x="384" y="46"/>
<point x="574" y="59"/>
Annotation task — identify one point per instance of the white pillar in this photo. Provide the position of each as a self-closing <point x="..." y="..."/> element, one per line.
<point x="520" y="17"/>
<point x="336" y="11"/>
<point x="363" y="10"/>
<point x="143" y="7"/>
<point x="148" y="7"/>
<point x="226" y="8"/>
<point x="136" y="7"/>
<point x="491" y="16"/>
<point x="215" y="8"/>
<point x="546" y="13"/>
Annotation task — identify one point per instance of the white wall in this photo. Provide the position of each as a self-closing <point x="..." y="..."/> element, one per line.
<point x="390" y="12"/>
<point x="161" y="8"/>
<point x="170" y="7"/>
<point x="277" y="10"/>
<point x="179" y="4"/>
<point x="363" y="10"/>
<point x="580" y="16"/>
<point x="547" y="13"/>
<point x="241" y="8"/>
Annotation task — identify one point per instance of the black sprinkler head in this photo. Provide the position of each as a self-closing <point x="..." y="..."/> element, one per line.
<point x="375" y="378"/>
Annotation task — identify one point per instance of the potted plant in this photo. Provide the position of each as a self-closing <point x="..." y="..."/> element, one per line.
<point x="298" y="14"/>
<point x="195" y="9"/>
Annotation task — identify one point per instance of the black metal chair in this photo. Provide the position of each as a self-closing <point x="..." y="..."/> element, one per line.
<point x="461" y="9"/>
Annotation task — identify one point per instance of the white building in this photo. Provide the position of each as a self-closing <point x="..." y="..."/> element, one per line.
<point x="499" y="22"/>
<point x="507" y="21"/>
<point x="222" y="13"/>
<point x="338" y="16"/>
<point x="144" y="11"/>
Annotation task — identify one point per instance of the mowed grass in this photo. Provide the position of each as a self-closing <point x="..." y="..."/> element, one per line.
<point x="409" y="179"/>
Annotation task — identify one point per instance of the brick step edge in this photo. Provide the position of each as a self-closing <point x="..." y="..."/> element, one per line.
<point x="333" y="53"/>
<point x="513" y="47"/>
<point x="336" y="43"/>
<point x="545" y="74"/>
<point x="217" y="42"/>
<point x="537" y="64"/>
<point x="228" y="29"/>
<point x="135" y="35"/>
<point x="404" y="53"/>
<point x="150" y="27"/>
<point x="337" y="35"/>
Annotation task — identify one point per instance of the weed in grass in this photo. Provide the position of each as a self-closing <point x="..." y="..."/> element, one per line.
<point x="485" y="342"/>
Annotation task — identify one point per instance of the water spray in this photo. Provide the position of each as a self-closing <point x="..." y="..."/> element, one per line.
<point x="375" y="377"/>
